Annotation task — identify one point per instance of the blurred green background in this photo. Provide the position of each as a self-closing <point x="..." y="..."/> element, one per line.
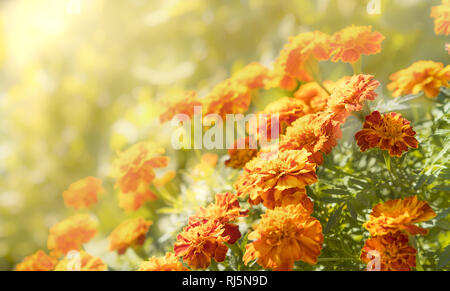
<point x="76" y="87"/>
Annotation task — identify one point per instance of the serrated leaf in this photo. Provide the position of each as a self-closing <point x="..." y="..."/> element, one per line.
<point x="333" y="219"/>
<point x="352" y="211"/>
<point x="444" y="258"/>
<point x="336" y="191"/>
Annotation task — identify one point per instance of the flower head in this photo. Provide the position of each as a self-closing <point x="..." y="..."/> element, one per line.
<point x="283" y="236"/>
<point x="399" y="214"/>
<point x="314" y="98"/>
<point x="83" y="261"/>
<point x="253" y="75"/>
<point x="351" y="42"/>
<point x="441" y="15"/>
<point x="199" y="243"/>
<point x="69" y="234"/>
<point x="394" y="251"/>
<point x="134" y="170"/>
<point x="350" y="95"/>
<point x="83" y="193"/>
<point x="389" y="132"/>
<point x="268" y="179"/>
<point x="129" y="233"/>
<point x="39" y="261"/>
<point x="426" y="76"/>
<point x="240" y="156"/>
<point x="184" y="104"/>
<point x="316" y="133"/>
<point x="296" y="58"/>
<point x="169" y="262"/>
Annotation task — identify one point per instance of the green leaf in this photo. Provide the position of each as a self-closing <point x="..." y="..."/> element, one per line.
<point x="352" y="211"/>
<point x="444" y="258"/>
<point x="333" y="219"/>
<point x="336" y="191"/>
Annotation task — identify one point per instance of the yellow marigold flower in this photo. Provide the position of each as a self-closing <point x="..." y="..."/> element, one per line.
<point x="168" y="263"/>
<point x="316" y="133"/>
<point x="254" y="75"/>
<point x="225" y="210"/>
<point x="206" y="166"/>
<point x="39" y="261"/>
<point x="282" y="237"/>
<point x="351" y="42"/>
<point x="240" y="157"/>
<point x="395" y="253"/>
<point x="166" y="178"/>
<point x="287" y="110"/>
<point x="69" y="234"/>
<point x="134" y="170"/>
<point x="389" y="132"/>
<point x="296" y="57"/>
<point x="83" y="193"/>
<point x="399" y="214"/>
<point x="267" y="180"/>
<point x="350" y="95"/>
<point x="426" y="76"/>
<point x="228" y="97"/>
<point x="129" y="233"/>
<point x="441" y="15"/>
<point x="184" y="104"/>
<point x="199" y="243"/>
<point x="84" y="261"/>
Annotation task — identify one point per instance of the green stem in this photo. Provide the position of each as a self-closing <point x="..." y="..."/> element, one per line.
<point x="357" y="67"/>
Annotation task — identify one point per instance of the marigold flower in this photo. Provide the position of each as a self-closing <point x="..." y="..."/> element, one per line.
<point x="134" y="170"/>
<point x="169" y="262"/>
<point x="253" y="75"/>
<point x="350" y="95"/>
<point x="426" y="76"/>
<point x="268" y="179"/>
<point x="287" y="111"/>
<point x="228" y="97"/>
<point x="83" y="193"/>
<point x="69" y="234"/>
<point x="184" y="104"/>
<point x="240" y="157"/>
<point x="84" y="261"/>
<point x="129" y="233"/>
<point x="206" y="165"/>
<point x="296" y="58"/>
<point x="225" y="210"/>
<point x="285" y="235"/>
<point x="313" y="97"/>
<point x="353" y="41"/>
<point x="166" y="178"/>
<point x="199" y="243"/>
<point x="39" y="261"/>
<point x="399" y="214"/>
<point x="316" y="133"/>
<point x="394" y="252"/>
<point x="389" y="132"/>
<point x="441" y="15"/>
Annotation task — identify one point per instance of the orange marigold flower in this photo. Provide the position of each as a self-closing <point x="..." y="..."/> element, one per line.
<point x="264" y="180"/>
<point x="389" y="132"/>
<point x="129" y="233"/>
<point x="228" y="97"/>
<point x="297" y="55"/>
<point x="441" y="15"/>
<point x="286" y="109"/>
<point x="134" y="200"/>
<point x="134" y="170"/>
<point x="206" y="165"/>
<point x="81" y="262"/>
<point x="426" y="76"/>
<point x="399" y="214"/>
<point x="39" y="261"/>
<point x="283" y="236"/>
<point x="69" y="234"/>
<point x="350" y="95"/>
<point x="240" y="156"/>
<point x="317" y="133"/>
<point x="198" y="243"/>
<point x="351" y="42"/>
<point x="166" y="178"/>
<point x="170" y="262"/>
<point x="225" y="210"/>
<point x="313" y="97"/>
<point x="254" y="75"/>
<point x="83" y="193"/>
<point x="394" y="251"/>
<point x="184" y="104"/>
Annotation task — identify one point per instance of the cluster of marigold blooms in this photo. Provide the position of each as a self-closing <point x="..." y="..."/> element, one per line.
<point x="275" y="176"/>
